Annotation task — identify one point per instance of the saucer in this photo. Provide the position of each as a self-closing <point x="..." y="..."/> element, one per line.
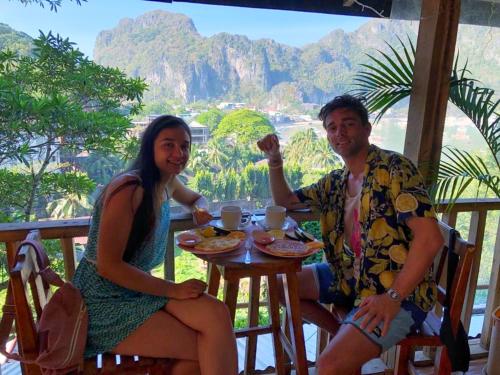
<point x="218" y="223"/>
<point x="262" y="223"/>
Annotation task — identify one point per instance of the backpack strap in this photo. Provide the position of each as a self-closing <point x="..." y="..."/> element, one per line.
<point x="452" y="265"/>
<point x="47" y="274"/>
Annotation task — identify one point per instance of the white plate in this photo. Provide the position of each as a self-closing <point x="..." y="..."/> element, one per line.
<point x="262" y="223"/>
<point x="218" y="223"/>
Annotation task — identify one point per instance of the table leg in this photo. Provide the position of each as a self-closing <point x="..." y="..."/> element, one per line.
<point x="213" y="280"/>
<point x="295" y="320"/>
<point x="253" y="321"/>
<point x="279" y="355"/>
<point x="231" y="296"/>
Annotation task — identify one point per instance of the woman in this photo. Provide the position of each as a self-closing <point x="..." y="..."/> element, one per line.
<point x="132" y="312"/>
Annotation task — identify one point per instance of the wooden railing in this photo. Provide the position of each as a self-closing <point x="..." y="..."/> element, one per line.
<point x="67" y="230"/>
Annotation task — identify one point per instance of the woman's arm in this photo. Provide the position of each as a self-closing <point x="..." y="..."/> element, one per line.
<point x="114" y="229"/>
<point x="196" y="203"/>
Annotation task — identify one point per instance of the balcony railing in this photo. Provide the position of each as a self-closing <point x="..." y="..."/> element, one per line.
<point x="67" y="230"/>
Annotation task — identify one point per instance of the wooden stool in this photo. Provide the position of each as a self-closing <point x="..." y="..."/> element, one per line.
<point x="232" y="267"/>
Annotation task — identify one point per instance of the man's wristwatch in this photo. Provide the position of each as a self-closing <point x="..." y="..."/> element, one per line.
<point x="394" y="295"/>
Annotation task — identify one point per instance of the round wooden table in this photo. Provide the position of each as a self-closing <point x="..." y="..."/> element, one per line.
<point x="234" y="265"/>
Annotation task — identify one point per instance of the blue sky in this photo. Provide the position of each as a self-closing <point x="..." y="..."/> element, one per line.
<point x="81" y="24"/>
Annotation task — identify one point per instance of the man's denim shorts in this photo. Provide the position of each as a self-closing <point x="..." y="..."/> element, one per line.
<point x="407" y="320"/>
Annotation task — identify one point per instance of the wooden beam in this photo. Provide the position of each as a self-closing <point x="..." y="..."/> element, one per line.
<point x="493" y="294"/>
<point x="436" y="41"/>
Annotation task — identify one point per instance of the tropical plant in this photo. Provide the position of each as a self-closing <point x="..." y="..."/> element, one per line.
<point x="54" y="4"/>
<point x="57" y="103"/>
<point x="210" y="118"/>
<point x="389" y="80"/>
<point x="244" y="126"/>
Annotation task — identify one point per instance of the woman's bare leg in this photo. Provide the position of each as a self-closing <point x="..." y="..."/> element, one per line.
<point x="164" y="336"/>
<point x="217" y="353"/>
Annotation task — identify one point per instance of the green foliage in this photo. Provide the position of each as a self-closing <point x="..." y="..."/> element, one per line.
<point x="313" y="228"/>
<point x="100" y="168"/>
<point x="54" y="4"/>
<point x="389" y="80"/>
<point x="58" y="102"/>
<point x="244" y="126"/>
<point x="210" y="118"/>
<point x="156" y="108"/>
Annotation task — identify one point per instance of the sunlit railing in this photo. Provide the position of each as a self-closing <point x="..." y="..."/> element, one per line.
<point x="67" y="230"/>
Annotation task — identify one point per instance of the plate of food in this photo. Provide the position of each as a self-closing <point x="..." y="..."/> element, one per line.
<point x="289" y="248"/>
<point x="207" y="245"/>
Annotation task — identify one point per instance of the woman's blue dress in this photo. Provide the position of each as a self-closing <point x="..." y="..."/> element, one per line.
<point x="115" y="312"/>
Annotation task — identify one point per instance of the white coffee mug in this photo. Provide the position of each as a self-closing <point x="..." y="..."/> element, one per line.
<point x="230" y="217"/>
<point x="275" y="217"/>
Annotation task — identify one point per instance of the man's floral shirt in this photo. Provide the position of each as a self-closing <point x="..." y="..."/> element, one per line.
<point x="392" y="192"/>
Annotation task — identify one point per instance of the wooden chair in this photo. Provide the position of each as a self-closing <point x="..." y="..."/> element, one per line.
<point x="31" y="293"/>
<point x="429" y="333"/>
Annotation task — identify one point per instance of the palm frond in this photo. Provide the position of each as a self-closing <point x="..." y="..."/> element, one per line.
<point x="457" y="171"/>
<point x="387" y="81"/>
<point x="480" y="106"/>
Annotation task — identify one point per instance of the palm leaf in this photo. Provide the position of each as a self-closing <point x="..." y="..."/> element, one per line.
<point x="478" y="104"/>
<point x="457" y="171"/>
<point x="387" y="81"/>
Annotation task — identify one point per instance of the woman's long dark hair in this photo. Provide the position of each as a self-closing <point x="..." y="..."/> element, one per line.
<point x="144" y="165"/>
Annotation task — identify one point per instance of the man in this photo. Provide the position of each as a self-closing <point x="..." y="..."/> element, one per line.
<point x="380" y="234"/>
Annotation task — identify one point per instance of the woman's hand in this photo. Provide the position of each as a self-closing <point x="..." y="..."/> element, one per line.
<point x="201" y="216"/>
<point x="191" y="288"/>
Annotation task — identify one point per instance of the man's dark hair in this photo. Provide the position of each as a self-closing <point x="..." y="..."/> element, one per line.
<point x="344" y="101"/>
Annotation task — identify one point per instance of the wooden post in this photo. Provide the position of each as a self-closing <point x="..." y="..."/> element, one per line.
<point x="69" y="256"/>
<point x="493" y="293"/>
<point x="476" y="236"/>
<point x="169" y="264"/>
<point x="436" y="41"/>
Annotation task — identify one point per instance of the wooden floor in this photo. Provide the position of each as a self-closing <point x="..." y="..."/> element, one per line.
<point x="265" y="357"/>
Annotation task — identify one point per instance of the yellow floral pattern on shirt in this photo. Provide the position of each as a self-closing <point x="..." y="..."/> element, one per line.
<point x="392" y="192"/>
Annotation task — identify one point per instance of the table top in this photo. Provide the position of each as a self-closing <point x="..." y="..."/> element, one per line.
<point x="258" y="261"/>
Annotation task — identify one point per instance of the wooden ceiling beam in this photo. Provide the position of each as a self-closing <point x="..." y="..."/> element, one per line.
<point x="316" y="6"/>
<point x="435" y="50"/>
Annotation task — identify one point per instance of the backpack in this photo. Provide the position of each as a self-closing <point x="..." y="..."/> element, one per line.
<point x="62" y="328"/>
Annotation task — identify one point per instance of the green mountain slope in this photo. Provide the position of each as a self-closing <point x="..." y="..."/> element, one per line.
<point x="14" y="40"/>
<point x="166" y="49"/>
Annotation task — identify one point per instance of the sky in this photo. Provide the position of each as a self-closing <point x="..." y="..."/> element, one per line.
<point x="81" y="24"/>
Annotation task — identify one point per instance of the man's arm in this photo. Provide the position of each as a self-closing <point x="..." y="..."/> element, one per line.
<point x="426" y="243"/>
<point x="280" y="190"/>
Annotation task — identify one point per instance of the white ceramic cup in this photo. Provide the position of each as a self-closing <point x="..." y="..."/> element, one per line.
<point x="275" y="217"/>
<point x="230" y="217"/>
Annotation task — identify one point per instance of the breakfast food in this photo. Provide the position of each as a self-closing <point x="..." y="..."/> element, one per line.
<point x="277" y="233"/>
<point x="262" y="237"/>
<point x="217" y="244"/>
<point x="313" y="245"/>
<point x="188" y="239"/>
<point x="287" y="248"/>
<point x="208" y="232"/>
<point x="237" y="234"/>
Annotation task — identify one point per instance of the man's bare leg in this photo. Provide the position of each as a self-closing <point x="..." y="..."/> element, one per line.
<point x="311" y="309"/>
<point x="346" y="352"/>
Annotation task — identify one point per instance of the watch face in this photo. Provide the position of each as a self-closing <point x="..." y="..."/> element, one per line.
<point x="394" y="295"/>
